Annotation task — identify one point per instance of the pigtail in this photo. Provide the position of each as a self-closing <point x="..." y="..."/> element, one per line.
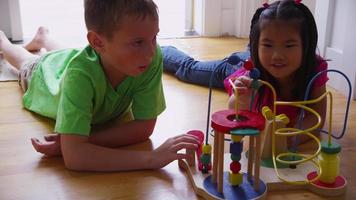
<point x="255" y="19"/>
<point x="310" y="39"/>
<point x="253" y="43"/>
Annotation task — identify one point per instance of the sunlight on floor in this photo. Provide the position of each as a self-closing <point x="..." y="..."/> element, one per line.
<point x="65" y="19"/>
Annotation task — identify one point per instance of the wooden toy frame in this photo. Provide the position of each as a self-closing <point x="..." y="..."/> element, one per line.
<point x="267" y="144"/>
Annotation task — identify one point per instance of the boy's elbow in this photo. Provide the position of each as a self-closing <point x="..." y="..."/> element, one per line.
<point x="149" y="127"/>
<point x="74" y="152"/>
<point x="146" y="134"/>
<point x="73" y="163"/>
<point x="71" y="166"/>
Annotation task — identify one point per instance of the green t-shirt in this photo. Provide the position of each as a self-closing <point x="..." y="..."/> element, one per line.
<point x="70" y="86"/>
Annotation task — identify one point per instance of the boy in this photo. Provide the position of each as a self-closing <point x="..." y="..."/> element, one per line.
<point x="117" y="75"/>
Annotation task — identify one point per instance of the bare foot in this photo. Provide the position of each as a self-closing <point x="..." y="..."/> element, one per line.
<point x="50" y="148"/>
<point x="38" y="40"/>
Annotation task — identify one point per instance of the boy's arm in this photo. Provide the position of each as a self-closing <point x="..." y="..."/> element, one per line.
<point x="116" y="134"/>
<point x="81" y="155"/>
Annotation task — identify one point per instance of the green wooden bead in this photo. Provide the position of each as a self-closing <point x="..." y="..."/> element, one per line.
<point x="205" y="158"/>
<point x="235" y="157"/>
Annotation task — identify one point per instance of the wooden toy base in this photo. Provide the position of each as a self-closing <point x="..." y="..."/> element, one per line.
<point x="205" y="188"/>
<point x="336" y="189"/>
<point x="269" y="181"/>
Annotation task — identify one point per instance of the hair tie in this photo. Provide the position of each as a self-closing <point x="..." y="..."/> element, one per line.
<point x="298" y="2"/>
<point x="265" y="5"/>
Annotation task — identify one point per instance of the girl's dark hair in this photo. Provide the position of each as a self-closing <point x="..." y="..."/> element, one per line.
<point x="104" y="16"/>
<point x="299" y="14"/>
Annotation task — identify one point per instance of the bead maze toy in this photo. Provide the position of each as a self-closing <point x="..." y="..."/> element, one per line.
<point x="268" y="164"/>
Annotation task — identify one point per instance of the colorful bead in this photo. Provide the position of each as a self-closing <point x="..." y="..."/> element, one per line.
<point x="254" y="73"/>
<point x="233" y="60"/>
<point x="235" y="157"/>
<point x="204" y="170"/>
<point x="267" y="113"/>
<point x="235" y="167"/>
<point x="235" y="179"/>
<point x="236" y="148"/>
<point x="207" y="149"/>
<point x="205" y="158"/>
<point x="248" y="65"/>
<point x="284" y="118"/>
<point x="298" y="2"/>
<point x="201" y="166"/>
<point x="255" y="84"/>
<point x="236" y="138"/>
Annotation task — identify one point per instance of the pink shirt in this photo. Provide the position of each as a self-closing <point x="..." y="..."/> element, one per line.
<point x="291" y="111"/>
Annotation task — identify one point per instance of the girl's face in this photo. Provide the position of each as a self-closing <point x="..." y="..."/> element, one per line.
<point x="280" y="49"/>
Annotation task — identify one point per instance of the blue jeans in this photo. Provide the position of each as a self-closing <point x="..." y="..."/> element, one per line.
<point x="193" y="71"/>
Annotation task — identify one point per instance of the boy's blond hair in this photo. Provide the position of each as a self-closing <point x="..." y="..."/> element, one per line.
<point x="104" y="16"/>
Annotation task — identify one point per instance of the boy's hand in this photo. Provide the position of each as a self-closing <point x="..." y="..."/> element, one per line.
<point x="50" y="148"/>
<point x="168" y="151"/>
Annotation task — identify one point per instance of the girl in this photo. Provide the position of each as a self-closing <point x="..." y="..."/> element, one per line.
<point x="283" y="43"/>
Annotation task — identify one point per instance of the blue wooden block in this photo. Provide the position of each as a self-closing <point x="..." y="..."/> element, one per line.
<point x="236" y="148"/>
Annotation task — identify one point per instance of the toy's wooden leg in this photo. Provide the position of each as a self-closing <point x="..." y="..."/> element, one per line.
<point x="215" y="158"/>
<point x="251" y="152"/>
<point x="257" y="162"/>
<point x="221" y="162"/>
<point x="266" y="141"/>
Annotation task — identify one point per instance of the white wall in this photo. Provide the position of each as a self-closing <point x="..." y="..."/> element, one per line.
<point x="4" y="16"/>
<point x="207" y="17"/>
<point x="10" y="19"/>
<point x="228" y="17"/>
<point x="243" y="15"/>
<point x="198" y="16"/>
<point x="244" y="10"/>
<point x="337" y="41"/>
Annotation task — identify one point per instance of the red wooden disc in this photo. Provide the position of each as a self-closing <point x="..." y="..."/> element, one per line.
<point x="339" y="181"/>
<point x="224" y="121"/>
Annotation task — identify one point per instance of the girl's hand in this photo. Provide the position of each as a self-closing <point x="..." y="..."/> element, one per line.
<point x="169" y="150"/>
<point x="243" y="86"/>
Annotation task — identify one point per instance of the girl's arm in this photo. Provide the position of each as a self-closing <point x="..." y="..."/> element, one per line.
<point x="81" y="155"/>
<point x="309" y="119"/>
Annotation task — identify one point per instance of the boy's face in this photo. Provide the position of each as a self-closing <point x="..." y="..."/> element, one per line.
<point x="130" y="50"/>
<point x="280" y="49"/>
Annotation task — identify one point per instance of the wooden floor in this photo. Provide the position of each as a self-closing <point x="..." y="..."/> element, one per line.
<point x="25" y="174"/>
